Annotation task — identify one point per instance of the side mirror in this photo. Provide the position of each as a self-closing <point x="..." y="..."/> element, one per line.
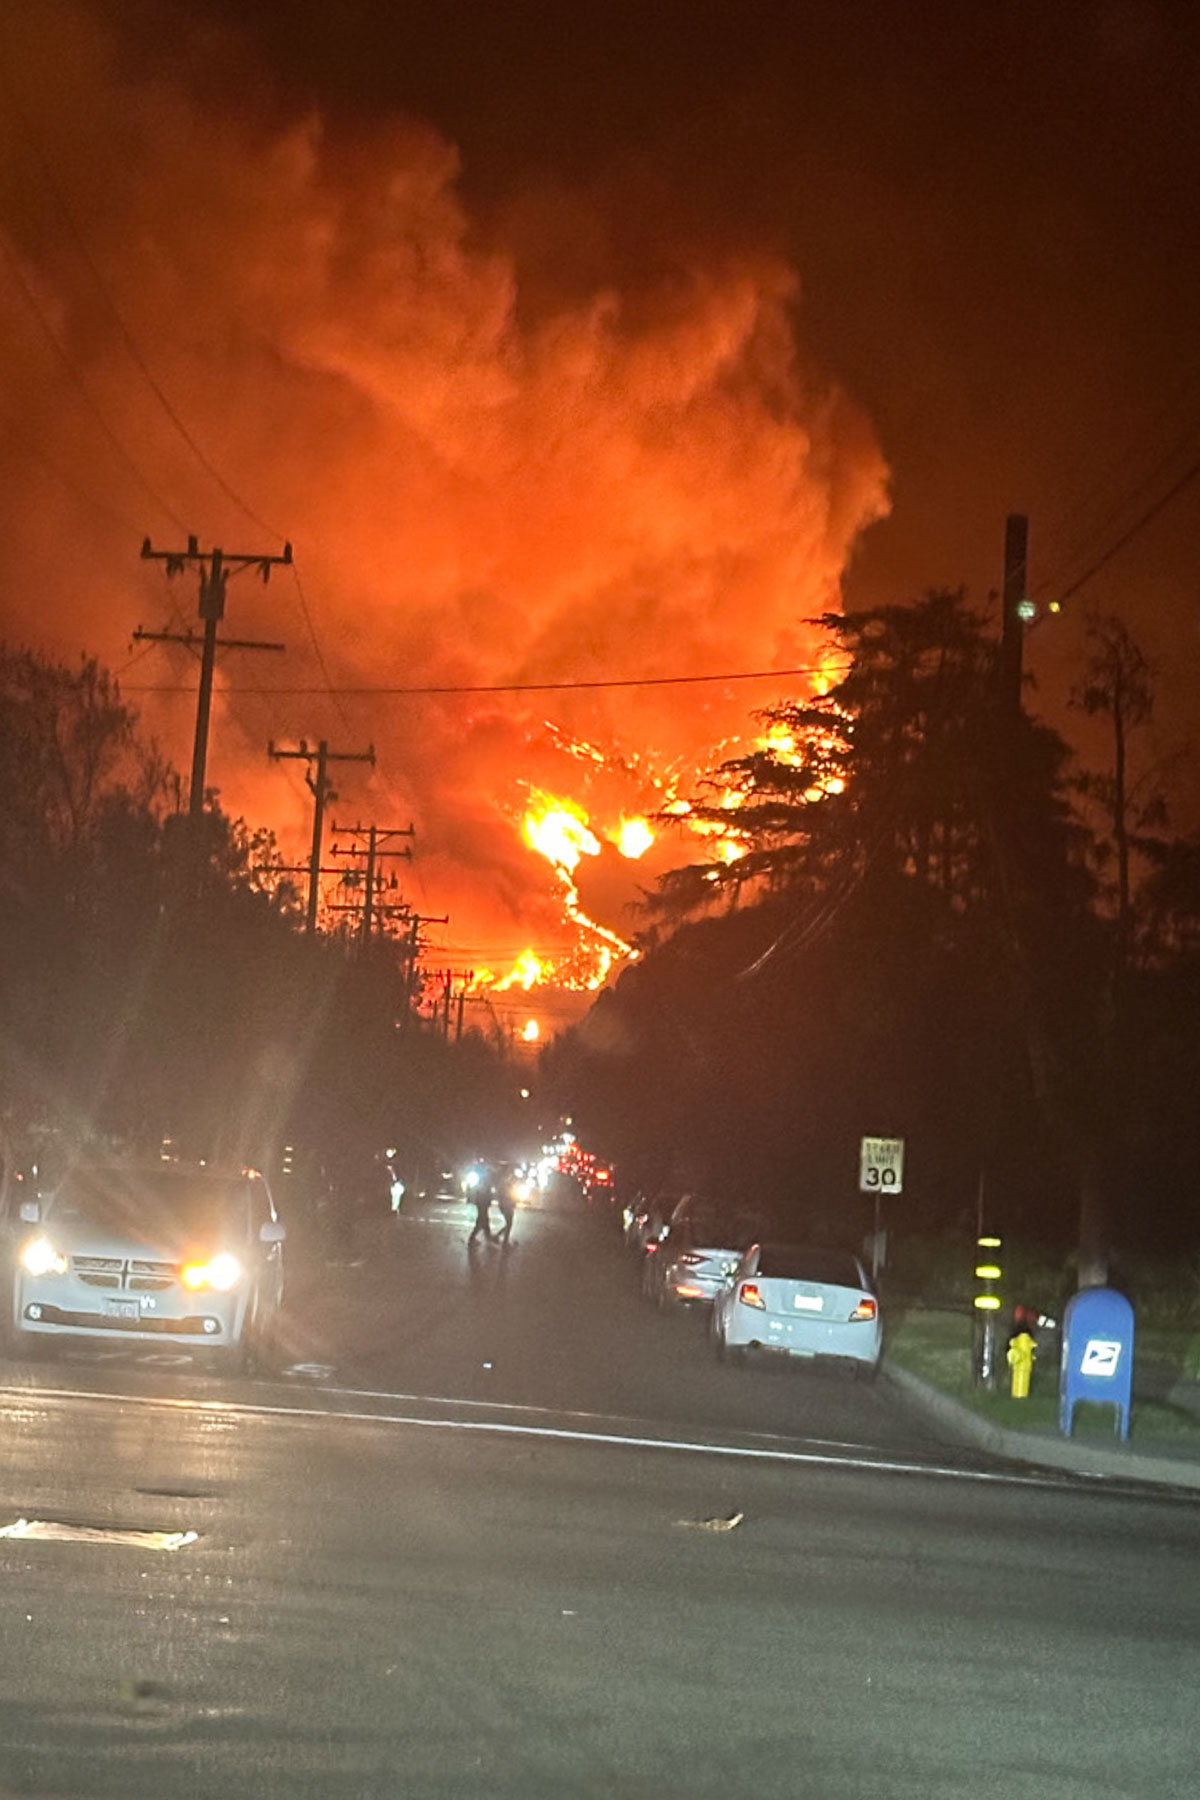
<point x="272" y="1232"/>
<point x="31" y="1212"/>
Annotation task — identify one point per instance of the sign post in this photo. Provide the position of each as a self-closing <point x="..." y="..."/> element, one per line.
<point x="880" y="1172"/>
<point x="987" y="1303"/>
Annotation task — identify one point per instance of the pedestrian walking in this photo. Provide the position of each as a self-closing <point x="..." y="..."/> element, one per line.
<point x="483" y="1204"/>
<point x="507" y="1205"/>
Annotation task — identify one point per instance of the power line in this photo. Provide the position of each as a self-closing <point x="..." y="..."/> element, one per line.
<point x="317" y="651"/>
<point x="512" y="687"/>
<point x="65" y="358"/>
<point x="127" y="337"/>
<point x="1073" y="537"/>
<point x="1151" y="513"/>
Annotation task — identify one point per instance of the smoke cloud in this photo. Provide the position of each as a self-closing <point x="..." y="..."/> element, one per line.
<point x="481" y="487"/>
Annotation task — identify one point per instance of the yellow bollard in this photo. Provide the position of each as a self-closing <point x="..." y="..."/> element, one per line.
<point x="1021" y="1351"/>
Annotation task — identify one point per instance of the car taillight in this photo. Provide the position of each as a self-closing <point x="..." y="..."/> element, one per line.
<point x="687" y="1290"/>
<point x="749" y="1295"/>
<point x="690" y="1258"/>
<point x="866" y="1308"/>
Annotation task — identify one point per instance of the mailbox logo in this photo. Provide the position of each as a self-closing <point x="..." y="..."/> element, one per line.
<point x="1100" y="1357"/>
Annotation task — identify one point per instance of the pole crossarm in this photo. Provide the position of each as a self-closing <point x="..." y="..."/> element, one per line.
<point x="178" y="561"/>
<point x="193" y="640"/>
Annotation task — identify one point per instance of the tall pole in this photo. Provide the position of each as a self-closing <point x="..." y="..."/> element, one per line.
<point x="208" y="663"/>
<point x="319" y="786"/>
<point x="1015" y="603"/>
<point x="215" y="568"/>
<point x="369" y="896"/>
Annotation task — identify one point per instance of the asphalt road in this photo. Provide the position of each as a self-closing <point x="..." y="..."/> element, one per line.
<point x="415" y="1575"/>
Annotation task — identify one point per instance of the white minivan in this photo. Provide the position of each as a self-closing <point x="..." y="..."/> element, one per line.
<point x="183" y="1254"/>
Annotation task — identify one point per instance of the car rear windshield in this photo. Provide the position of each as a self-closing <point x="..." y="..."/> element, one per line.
<point x="794" y="1262"/>
<point x="718" y="1228"/>
<point x="174" y="1207"/>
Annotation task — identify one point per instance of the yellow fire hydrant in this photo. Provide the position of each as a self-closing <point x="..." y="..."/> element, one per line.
<point x="1021" y="1351"/>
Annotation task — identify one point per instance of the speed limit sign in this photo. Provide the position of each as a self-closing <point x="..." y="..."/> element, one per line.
<point x="881" y="1166"/>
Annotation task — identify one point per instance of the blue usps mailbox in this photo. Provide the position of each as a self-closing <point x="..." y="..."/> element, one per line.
<point x="1097" y="1355"/>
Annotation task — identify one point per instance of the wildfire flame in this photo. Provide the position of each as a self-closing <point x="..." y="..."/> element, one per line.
<point x="633" y="837"/>
<point x="559" y="831"/>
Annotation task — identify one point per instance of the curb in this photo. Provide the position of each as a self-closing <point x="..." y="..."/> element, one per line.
<point x="1121" y="1463"/>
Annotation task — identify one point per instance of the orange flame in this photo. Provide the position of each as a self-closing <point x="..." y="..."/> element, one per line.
<point x="633" y="837"/>
<point x="559" y="831"/>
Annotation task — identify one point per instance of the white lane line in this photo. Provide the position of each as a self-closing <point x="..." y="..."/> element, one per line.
<point x="565" y="1412"/>
<point x="560" y="1434"/>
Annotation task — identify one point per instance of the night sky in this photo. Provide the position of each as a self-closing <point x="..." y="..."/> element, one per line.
<point x="958" y="245"/>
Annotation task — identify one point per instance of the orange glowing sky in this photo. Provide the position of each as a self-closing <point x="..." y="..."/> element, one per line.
<point x="478" y="490"/>
<point x="557" y="348"/>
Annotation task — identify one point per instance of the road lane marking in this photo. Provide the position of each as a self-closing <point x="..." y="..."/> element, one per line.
<point x="566" y="1412"/>
<point x="231" y="1409"/>
<point x="57" y="1531"/>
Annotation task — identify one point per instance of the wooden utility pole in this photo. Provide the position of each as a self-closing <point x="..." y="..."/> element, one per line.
<point x="215" y="567"/>
<point x="412" y="956"/>
<point x="1017" y="609"/>
<point x="322" y="793"/>
<point x="379" y="848"/>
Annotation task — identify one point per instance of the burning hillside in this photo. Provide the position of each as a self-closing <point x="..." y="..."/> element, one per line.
<point x="249" y="332"/>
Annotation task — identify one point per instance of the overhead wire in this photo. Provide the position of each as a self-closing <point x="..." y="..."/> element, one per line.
<point x="1075" y="535"/>
<point x="65" y="357"/>
<point x="1126" y="537"/>
<point x="434" y="690"/>
<point x="127" y="338"/>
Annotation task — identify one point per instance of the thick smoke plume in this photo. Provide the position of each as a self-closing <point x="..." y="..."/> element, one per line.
<point x="641" y="483"/>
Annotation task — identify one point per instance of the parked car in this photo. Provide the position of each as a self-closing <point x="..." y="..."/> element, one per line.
<point x="183" y="1254"/>
<point x="800" y="1300"/>
<point x="699" y="1250"/>
<point x="646" y="1219"/>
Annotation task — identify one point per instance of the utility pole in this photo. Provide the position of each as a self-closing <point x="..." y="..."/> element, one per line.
<point x="322" y="792"/>
<point x="1017" y="609"/>
<point x="412" y="954"/>
<point x="215" y="567"/>
<point x="379" y="848"/>
<point x="466" y="980"/>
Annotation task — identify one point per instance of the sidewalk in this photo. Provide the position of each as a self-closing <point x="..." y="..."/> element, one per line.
<point x="1162" y="1462"/>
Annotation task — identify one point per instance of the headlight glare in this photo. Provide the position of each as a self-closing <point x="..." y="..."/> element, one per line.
<point x="39" y="1257"/>
<point x="223" y="1272"/>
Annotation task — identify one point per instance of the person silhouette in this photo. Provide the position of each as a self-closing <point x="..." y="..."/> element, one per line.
<point x="507" y="1205"/>
<point x="483" y="1203"/>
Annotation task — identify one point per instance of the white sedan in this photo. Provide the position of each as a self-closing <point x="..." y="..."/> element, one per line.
<point x="799" y="1300"/>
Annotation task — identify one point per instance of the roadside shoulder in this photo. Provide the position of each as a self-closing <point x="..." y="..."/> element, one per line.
<point x="1119" y="1461"/>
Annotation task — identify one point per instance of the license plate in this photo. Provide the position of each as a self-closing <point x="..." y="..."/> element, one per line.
<point x="122" y="1309"/>
<point x="808" y="1303"/>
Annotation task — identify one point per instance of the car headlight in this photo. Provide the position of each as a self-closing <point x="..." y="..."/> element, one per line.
<point x="39" y="1257"/>
<point x="223" y="1272"/>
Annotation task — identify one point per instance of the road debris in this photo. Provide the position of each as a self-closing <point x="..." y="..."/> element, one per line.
<point x="729" y="1524"/>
